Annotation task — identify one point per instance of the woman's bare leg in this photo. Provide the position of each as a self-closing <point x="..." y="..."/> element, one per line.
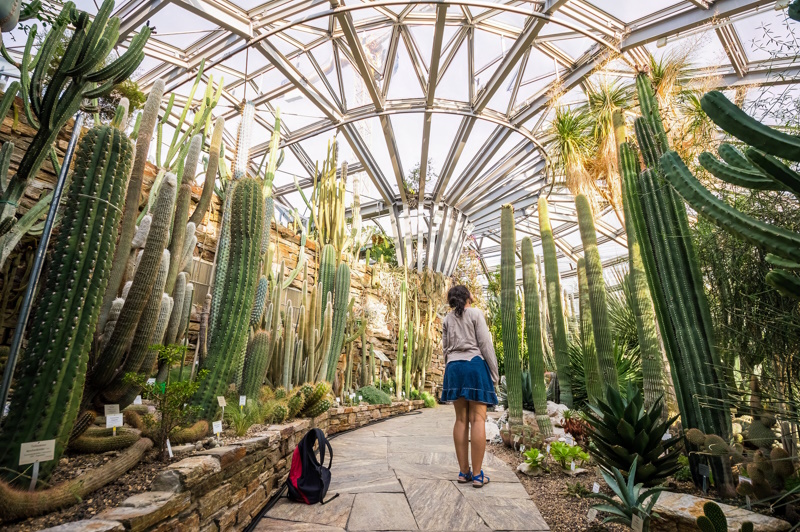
<point x="477" y="421"/>
<point x="461" y="433"/>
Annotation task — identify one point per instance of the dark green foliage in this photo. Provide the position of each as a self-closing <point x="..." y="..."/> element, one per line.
<point x="622" y="433"/>
<point x="52" y="370"/>
<point x="374" y="396"/>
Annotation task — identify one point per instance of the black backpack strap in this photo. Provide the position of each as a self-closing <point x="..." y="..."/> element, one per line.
<point x="322" y="439"/>
<point x="329" y="500"/>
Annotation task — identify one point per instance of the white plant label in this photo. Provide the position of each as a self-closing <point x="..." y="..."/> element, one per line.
<point x="548" y="448"/>
<point x="747" y="502"/>
<point x="359" y="398"/>
<point x="37" y="451"/>
<point x="637" y="524"/>
<point x="591" y="514"/>
<point x="516" y="438"/>
<point x="569" y="440"/>
<point x="572" y="466"/>
<point x="221" y="401"/>
<point x="137" y="400"/>
<point x="217" y="427"/>
<point x="666" y="436"/>
<point x="169" y="448"/>
<point x="595" y="488"/>
<point x="338" y="400"/>
<point x="522" y="448"/>
<point x="110" y="410"/>
<point x="113" y="421"/>
<point x="242" y="400"/>
<point x="7" y="409"/>
<point x="744" y="480"/>
<point x="151" y="381"/>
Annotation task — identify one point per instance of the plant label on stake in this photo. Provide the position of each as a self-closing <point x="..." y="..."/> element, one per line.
<point x="572" y="465"/>
<point x="548" y="448"/>
<point x="113" y="421"/>
<point x="137" y="400"/>
<point x="217" y="427"/>
<point x="747" y="502"/>
<point x="595" y="488"/>
<point x="221" y="401"/>
<point x="169" y="448"/>
<point x="359" y="398"/>
<point x="591" y="514"/>
<point x="110" y="410"/>
<point x="637" y="523"/>
<point x="35" y="452"/>
<point x="151" y="381"/>
<point x="704" y="471"/>
<point x="522" y="448"/>
<point x="242" y="401"/>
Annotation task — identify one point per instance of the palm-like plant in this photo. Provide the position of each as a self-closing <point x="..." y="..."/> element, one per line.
<point x="572" y="141"/>
<point x="624" y="436"/>
<point x="632" y="499"/>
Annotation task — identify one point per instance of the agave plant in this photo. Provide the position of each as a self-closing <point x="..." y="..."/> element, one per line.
<point x="631" y="500"/>
<point x="624" y="435"/>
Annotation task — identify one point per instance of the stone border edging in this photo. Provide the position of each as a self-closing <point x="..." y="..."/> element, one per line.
<point x="224" y="488"/>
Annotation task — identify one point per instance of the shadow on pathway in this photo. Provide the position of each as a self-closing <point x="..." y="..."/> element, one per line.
<point x="398" y="475"/>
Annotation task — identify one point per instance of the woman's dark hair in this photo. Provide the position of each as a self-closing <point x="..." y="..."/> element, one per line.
<point x="458" y="297"/>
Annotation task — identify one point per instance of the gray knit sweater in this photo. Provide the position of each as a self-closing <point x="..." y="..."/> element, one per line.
<point x="467" y="337"/>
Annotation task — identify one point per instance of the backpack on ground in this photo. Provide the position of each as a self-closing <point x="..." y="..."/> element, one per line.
<point x="309" y="479"/>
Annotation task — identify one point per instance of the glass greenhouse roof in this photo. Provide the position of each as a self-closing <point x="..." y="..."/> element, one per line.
<point x="467" y="85"/>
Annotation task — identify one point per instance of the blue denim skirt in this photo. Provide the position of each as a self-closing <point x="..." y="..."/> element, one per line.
<point x="469" y="379"/>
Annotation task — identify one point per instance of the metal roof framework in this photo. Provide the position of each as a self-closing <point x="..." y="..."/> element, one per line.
<point x="477" y="79"/>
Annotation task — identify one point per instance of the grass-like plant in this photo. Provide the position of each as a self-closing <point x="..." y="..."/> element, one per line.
<point x="631" y="500"/>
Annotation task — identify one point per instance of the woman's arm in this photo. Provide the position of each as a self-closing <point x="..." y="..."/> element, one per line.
<point x="444" y="339"/>
<point x="486" y="346"/>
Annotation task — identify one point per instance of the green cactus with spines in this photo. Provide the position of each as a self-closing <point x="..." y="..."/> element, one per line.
<point x="51" y="99"/>
<point x="741" y="177"/>
<point x="102" y="441"/>
<point x="229" y="337"/>
<point x="288" y="346"/>
<point x="307" y="389"/>
<point x="221" y="259"/>
<point x="673" y="274"/>
<point x="320" y="391"/>
<point x="295" y="404"/>
<point x="186" y="312"/>
<point x="341" y="300"/>
<point x="558" y="329"/>
<point x="591" y="369"/>
<point x="182" y="204"/>
<point x="142" y="340"/>
<point x="269" y="212"/>
<point x="211" y="173"/>
<point x="319" y="408"/>
<point x="401" y="325"/>
<point x="261" y="301"/>
<point x="280" y="413"/>
<point x="108" y="363"/>
<point x="280" y="392"/>
<point x="327" y="271"/>
<point x="82" y="424"/>
<point x="508" y="309"/>
<point x="52" y="368"/>
<point x="178" y="295"/>
<point x="604" y="344"/>
<point x="256" y="363"/>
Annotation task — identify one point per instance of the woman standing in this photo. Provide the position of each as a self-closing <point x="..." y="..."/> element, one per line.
<point x="469" y="377"/>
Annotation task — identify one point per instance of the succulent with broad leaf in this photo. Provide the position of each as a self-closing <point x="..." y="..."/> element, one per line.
<point x="630" y="499"/>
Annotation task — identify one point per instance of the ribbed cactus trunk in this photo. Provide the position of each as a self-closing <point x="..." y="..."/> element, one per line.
<point x="327" y="272"/>
<point x="508" y="310"/>
<point x="229" y="337"/>
<point x="676" y="285"/>
<point x="52" y="370"/>
<point x="401" y="337"/>
<point x="255" y="365"/>
<point x="604" y="344"/>
<point x="533" y="337"/>
<point x="558" y="329"/>
<point x="341" y="301"/>
<point x="591" y="369"/>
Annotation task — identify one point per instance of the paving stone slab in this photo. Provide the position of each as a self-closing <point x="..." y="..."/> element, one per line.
<point x="510" y="490"/>
<point x="279" y="525"/>
<point x="381" y="511"/>
<point x="333" y="513"/>
<point x="438" y="505"/>
<point x="506" y="514"/>
<point x="88" y="525"/>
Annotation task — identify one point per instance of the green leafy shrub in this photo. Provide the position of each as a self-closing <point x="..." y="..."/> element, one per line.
<point x="430" y="400"/>
<point x="534" y="457"/>
<point x="684" y="473"/>
<point x="566" y="454"/>
<point x="374" y="396"/>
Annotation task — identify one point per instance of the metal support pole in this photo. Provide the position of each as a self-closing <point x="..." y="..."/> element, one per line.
<point x="38" y="262"/>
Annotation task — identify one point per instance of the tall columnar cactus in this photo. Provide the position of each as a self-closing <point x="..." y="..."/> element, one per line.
<point x="341" y="301"/>
<point x="662" y="228"/>
<point x="178" y="234"/>
<point x="211" y="173"/>
<point x="558" y="328"/>
<point x="327" y="271"/>
<point x="229" y="337"/>
<point x="178" y="295"/>
<point x="128" y="229"/>
<point x="108" y="363"/>
<point x="52" y="369"/>
<point x="604" y="344"/>
<point x="50" y="99"/>
<point x="591" y="369"/>
<point x="533" y="336"/>
<point x="508" y="309"/>
<point x="642" y="302"/>
<point x="768" y="145"/>
<point x="401" y="335"/>
<point x="256" y="363"/>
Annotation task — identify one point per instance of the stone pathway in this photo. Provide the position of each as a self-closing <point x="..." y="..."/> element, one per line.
<point x="398" y="475"/>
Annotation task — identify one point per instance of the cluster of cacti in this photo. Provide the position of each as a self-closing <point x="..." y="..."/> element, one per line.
<point x="552" y="286"/>
<point x="53" y="92"/>
<point x="189" y="434"/>
<point x="714" y="520"/>
<point x="534" y="377"/>
<point x="641" y="301"/>
<point x="676" y="285"/>
<point x="591" y="370"/>
<point x="759" y="168"/>
<point x="316" y="401"/>
<point x="767" y="466"/>
<point x="508" y="308"/>
<point x="596" y="285"/>
<point x="50" y="379"/>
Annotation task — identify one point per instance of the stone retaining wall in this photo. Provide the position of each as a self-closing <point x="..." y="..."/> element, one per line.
<point x="224" y="488"/>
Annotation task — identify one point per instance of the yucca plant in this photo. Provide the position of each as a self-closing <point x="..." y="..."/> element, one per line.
<point x="623" y="435"/>
<point x="630" y="499"/>
<point x="573" y="145"/>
